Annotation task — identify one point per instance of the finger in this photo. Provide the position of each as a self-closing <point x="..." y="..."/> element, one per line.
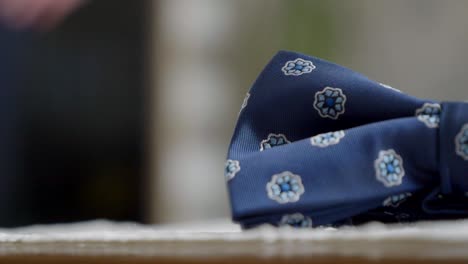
<point x="21" y="14"/>
<point x="10" y="10"/>
<point x="56" y="13"/>
<point x="28" y="14"/>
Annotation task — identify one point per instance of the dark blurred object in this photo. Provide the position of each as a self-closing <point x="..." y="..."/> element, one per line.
<point x="11" y="179"/>
<point x="81" y="116"/>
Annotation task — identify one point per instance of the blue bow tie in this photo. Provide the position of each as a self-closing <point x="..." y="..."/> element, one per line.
<point x="319" y="144"/>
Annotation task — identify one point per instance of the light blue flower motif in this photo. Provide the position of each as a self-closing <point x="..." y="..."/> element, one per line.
<point x="297" y="67"/>
<point x="429" y="114"/>
<point x="273" y="140"/>
<point x="389" y="168"/>
<point x="296" y="220"/>
<point x="285" y="187"/>
<point x="461" y="142"/>
<point x="389" y="87"/>
<point x="396" y="200"/>
<point x="327" y="139"/>
<point x="231" y="168"/>
<point x="330" y="102"/>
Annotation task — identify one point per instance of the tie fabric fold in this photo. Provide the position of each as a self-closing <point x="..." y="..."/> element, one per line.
<point x="318" y="144"/>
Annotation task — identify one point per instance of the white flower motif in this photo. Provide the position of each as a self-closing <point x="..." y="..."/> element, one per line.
<point x="296" y="220"/>
<point x="389" y="87"/>
<point x="298" y="67"/>
<point x="389" y="168"/>
<point x="429" y="114"/>
<point x="273" y="140"/>
<point x="231" y="168"/>
<point x="461" y="142"/>
<point x="396" y="200"/>
<point x="327" y="139"/>
<point x="244" y="103"/>
<point x="285" y="187"/>
<point x="330" y="102"/>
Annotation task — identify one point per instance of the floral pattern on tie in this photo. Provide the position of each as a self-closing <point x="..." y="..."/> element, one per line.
<point x="429" y="114"/>
<point x="330" y="102"/>
<point x="461" y="142"/>
<point x="296" y="220"/>
<point x="389" y="87"/>
<point x="273" y="140"/>
<point x="285" y="187"/>
<point x="298" y="67"/>
<point x="231" y="168"/>
<point x="327" y="139"/>
<point x="389" y="168"/>
<point x="396" y="200"/>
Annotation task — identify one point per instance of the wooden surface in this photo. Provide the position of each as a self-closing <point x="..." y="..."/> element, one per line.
<point x="234" y="260"/>
<point x="222" y="242"/>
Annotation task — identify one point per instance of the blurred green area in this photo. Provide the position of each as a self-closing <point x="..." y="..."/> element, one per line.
<point x="308" y="28"/>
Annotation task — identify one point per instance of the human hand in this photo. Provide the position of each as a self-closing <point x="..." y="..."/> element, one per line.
<point x="36" y="14"/>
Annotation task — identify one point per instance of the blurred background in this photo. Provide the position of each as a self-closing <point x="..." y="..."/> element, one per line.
<point x="125" y="109"/>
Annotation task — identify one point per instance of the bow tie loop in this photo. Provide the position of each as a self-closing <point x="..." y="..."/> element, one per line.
<point x="453" y="142"/>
